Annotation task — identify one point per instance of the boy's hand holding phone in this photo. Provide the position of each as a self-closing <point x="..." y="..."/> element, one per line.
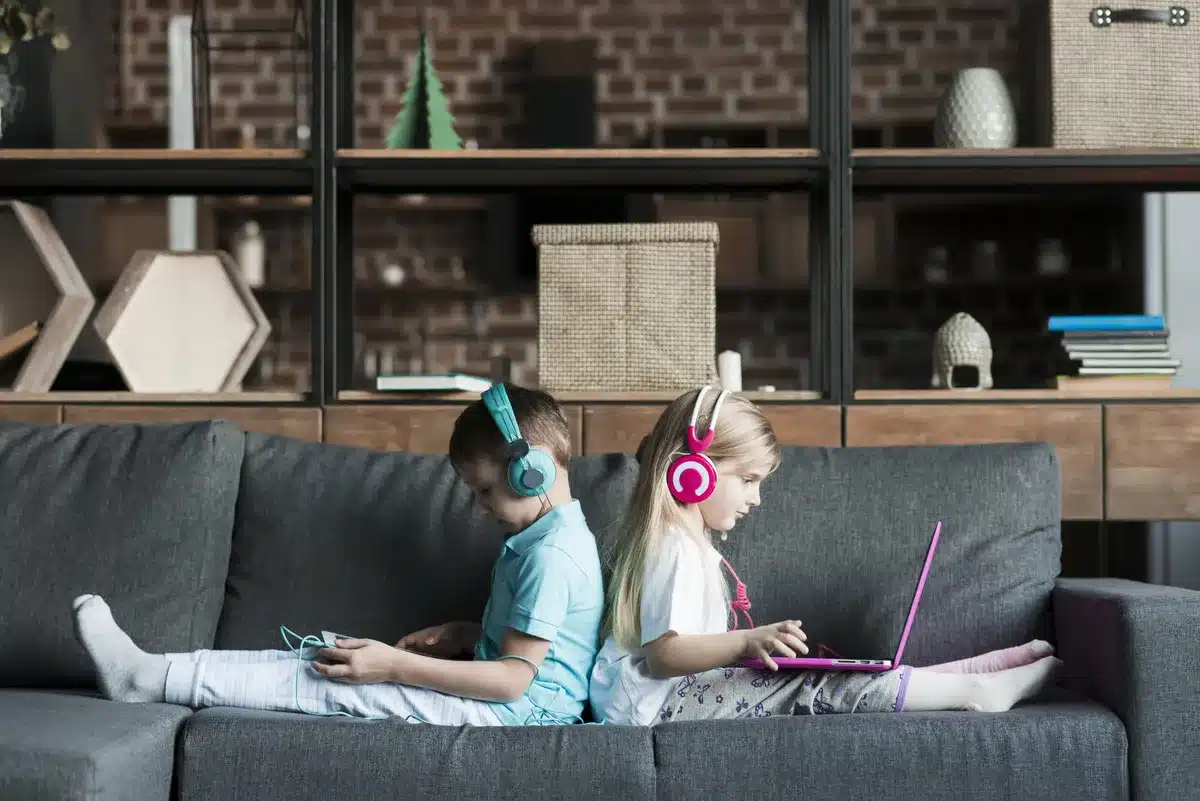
<point x="446" y="641"/>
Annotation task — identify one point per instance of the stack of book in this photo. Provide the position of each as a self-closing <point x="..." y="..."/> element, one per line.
<point x="1117" y="352"/>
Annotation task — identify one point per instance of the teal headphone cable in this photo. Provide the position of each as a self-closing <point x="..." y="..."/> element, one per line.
<point x="540" y="715"/>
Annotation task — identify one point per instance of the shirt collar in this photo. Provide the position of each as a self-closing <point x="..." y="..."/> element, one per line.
<point x="559" y="516"/>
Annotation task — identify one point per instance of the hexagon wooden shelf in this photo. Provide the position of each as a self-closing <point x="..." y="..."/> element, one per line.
<point x="182" y="322"/>
<point x="39" y="284"/>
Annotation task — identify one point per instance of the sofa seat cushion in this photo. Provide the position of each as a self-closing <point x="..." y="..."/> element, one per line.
<point x="59" y="746"/>
<point x="274" y="756"/>
<point x="1068" y="751"/>
<point x="141" y="514"/>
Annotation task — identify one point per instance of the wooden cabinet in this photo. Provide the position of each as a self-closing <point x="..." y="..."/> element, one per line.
<point x="1153" y="461"/>
<point x="1120" y="461"/>
<point x="1074" y="430"/>
<point x="619" y="429"/>
<point x="298" y="422"/>
<point x="30" y="413"/>
<point x="416" y="429"/>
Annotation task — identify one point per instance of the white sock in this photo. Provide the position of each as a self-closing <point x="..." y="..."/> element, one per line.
<point x="931" y="691"/>
<point x="126" y="672"/>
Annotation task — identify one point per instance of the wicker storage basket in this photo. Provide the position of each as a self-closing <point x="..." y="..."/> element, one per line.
<point x="1122" y="75"/>
<point x="626" y="307"/>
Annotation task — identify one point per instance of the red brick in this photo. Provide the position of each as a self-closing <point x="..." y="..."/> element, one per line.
<point x="980" y="12"/>
<point x="907" y="14"/>
<point x="628" y="20"/>
<point x="691" y="19"/>
<point x="769" y="105"/>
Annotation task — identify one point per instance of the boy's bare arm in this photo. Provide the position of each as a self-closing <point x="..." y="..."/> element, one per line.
<point x="500" y="681"/>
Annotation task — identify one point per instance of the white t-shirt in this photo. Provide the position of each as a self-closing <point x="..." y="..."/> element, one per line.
<point x="674" y="598"/>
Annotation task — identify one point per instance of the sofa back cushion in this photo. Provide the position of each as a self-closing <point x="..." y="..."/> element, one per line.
<point x="141" y="515"/>
<point x="841" y="535"/>
<point x="368" y="543"/>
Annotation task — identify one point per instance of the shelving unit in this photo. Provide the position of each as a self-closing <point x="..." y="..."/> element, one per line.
<point x="823" y="158"/>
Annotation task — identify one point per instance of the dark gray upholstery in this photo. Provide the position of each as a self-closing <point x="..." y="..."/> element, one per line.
<point x="1136" y="649"/>
<point x="395" y="534"/>
<point x="1065" y="752"/>
<point x="266" y="756"/>
<point x="139" y="514"/>
<point x="377" y="544"/>
<point x="62" y="746"/>
<point x="842" y="532"/>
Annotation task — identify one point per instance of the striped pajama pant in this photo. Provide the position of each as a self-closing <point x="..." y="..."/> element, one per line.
<point x="283" y="682"/>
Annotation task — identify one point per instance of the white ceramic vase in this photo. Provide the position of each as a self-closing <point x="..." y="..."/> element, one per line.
<point x="976" y="112"/>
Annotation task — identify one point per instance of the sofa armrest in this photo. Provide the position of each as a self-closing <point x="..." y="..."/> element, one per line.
<point x="1136" y="648"/>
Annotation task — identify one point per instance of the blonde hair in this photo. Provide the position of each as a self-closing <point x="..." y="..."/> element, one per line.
<point x="744" y="439"/>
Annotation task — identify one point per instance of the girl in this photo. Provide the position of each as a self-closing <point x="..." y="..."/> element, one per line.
<point x="669" y="650"/>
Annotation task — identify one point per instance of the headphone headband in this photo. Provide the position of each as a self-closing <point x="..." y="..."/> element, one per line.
<point x="497" y="403"/>
<point x="530" y="470"/>
<point x="694" y="465"/>
<point x="695" y="443"/>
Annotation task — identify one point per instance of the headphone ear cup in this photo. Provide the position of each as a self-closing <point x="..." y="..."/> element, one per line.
<point x="688" y="488"/>
<point x="521" y="471"/>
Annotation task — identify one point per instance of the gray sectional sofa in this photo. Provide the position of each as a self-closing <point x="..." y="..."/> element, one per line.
<point x="202" y="536"/>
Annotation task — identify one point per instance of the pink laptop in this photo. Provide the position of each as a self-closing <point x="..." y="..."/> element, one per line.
<point x="871" y="665"/>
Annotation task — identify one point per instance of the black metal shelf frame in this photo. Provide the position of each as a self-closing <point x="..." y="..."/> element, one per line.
<point x="826" y="176"/>
<point x="37" y="173"/>
<point x="1042" y="171"/>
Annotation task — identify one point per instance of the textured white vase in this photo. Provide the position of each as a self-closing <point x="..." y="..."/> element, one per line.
<point x="976" y="112"/>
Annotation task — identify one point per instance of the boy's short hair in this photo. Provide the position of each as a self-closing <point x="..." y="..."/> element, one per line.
<point x="541" y="419"/>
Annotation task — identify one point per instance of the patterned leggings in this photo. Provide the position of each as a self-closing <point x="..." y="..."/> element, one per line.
<point x="728" y="693"/>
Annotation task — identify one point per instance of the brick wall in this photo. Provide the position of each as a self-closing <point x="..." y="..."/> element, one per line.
<point x="661" y="62"/>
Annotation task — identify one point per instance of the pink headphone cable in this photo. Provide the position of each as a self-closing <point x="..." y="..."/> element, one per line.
<point x="741" y="603"/>
<point x="741" y="599"/>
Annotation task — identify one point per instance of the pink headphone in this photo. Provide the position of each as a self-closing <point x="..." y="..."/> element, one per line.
<point x="692" y="477"/>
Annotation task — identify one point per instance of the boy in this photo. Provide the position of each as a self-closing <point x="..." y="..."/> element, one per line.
<point x="533" y="651"/>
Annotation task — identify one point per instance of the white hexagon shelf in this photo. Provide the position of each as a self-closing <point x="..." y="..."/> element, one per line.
<point x="39" y="286"/>
<point x="182" y="322"/>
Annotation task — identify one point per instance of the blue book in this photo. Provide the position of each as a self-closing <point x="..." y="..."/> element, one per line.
<point x="1107" y="322"/>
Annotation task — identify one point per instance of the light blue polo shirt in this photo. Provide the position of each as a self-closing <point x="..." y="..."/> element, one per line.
<point x="547" y="584"/>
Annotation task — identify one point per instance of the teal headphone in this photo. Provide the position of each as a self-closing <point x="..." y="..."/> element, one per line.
<point x="530" y="471"/>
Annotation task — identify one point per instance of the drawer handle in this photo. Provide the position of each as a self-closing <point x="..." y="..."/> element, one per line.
<point x="1175" y="16"/>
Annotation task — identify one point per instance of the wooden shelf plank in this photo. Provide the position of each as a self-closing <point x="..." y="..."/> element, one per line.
<point x="1073" y="429"/>
<point x="1000" y="395"/>
<point x="297" y="422"/>
<point x="142" y="399"/>
<point x="400" y="398"/>
<point x="416" y="429"/>
<point x="1024" y="169"/>
<point x="28" y="413"/>
<point x="620" y="429"/>
<point x="482" y="171"/>
<point x="1153" y="461"/>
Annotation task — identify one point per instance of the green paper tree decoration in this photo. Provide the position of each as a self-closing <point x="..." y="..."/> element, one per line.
<point x="424" y="121"/>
